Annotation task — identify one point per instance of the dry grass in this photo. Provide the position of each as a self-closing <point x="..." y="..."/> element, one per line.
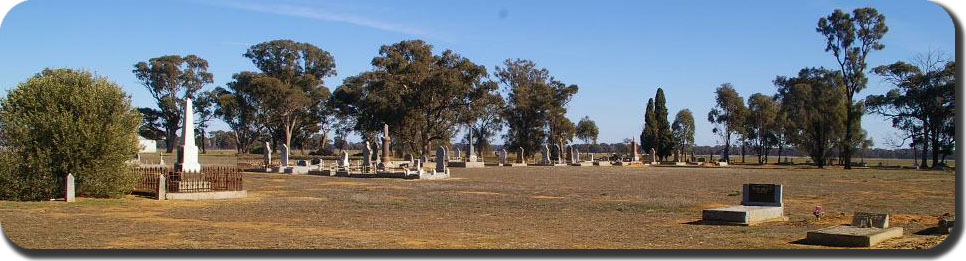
<point x="532" y="207"/>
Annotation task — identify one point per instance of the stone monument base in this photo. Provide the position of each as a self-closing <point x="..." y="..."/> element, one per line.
<point x="582" y="164"/>
<point x="298" y="169"/>
<point x="849" y="236"/>
<point x="632" y="163"/>
<point x="550" y="164"/>
<point x="207" y="195"/>
<point x="743" y="215"/>
<point x="512" y="165"/>
<point x="602" y="163"/>
<point x="465" y="164"/>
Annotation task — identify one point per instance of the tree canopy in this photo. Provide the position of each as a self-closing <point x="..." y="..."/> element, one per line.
<point x="728" y="115"/>
<point x="850" y="38"/>
<point x="814" y="98"/>
<point x="422" y="96"/>
<point x="290" y="87"/>
<point x="683" y="131"/>
<point x="170" y="79"/>
<point x="536" y="105"/>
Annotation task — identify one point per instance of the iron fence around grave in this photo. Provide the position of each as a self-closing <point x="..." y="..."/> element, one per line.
<point x="210" y="178"/>
<point x="148" y="178"/>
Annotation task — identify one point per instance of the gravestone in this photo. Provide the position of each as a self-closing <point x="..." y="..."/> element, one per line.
<point x="441" y="159"/>
<point x="520" y="155"/>
<point x="570" y="154"/>
<point x="418" y="164"/>
<point x="546" y="154"/>
<point x="576" y="156"/>
<point x="267" y="154"/>
<point x="162" y="187"/>
<point x="503" y="156"/>
<point x="760" y="203"/>
<point x="188" y="151"/>
<point x="867" y="220"/>
<point x="423" y="158"/>
<point x="866" y="230"/>
<point x="635" y="156"/>
<point x="458" y="153"/>
<point x="375" y="153"/>
<point x="385" y="144"/>
<point x="471" y="153"/>
<point x="558" y="154"/>
<point x="344" y="160"/>
<point x="283" y="161"/>
<point x="69" y="188"/>
<point x="367" y="155"/>
<point x="653" y="155"/>
<point x="762" y="195"/>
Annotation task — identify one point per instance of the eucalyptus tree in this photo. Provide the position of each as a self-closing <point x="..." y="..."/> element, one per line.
<point x="728" y="115"/>
<point x="814" y="98"/>
<point x="290" y="85"/>
<point x="850" y="38"/>
<point x="762" y="113"/>
<point x="587" y="130"/>
<point x="536" y="105"/>
<point x="170" y="79"/>
<point x="240" y="108"/>
<point x="922" y="104"/>
<point x="682" y="129"/>
<point x="424" y="97"/>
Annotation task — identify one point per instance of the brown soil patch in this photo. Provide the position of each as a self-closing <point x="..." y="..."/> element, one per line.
<point x="536" y="207"/>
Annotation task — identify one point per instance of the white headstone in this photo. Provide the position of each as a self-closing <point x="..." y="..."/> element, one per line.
<point x="367" y="155"/>
<point x="69" y="188"/>
<point x="546" y="154"/>
<point x="503" y="156"/>
<point x="189" y="151"/>
<point x="267" y="157"/>
<point x="344" y="161"/>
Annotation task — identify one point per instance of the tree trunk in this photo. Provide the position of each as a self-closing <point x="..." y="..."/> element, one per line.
<point x="925" y="147"/>
<point x="935" y="148"/>
<point x="169" y="141"/>
<point x="849" y="118"/>
<point x="203" y="147"/>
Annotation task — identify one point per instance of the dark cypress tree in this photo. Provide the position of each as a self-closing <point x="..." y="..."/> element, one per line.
<point x="648" y="136"/>
<point x="663" y="138"/>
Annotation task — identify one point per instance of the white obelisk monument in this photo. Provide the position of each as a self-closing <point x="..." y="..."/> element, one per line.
<point x="188" y="160"/>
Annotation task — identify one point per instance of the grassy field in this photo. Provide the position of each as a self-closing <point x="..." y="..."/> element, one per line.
<point x="530" y="207"/>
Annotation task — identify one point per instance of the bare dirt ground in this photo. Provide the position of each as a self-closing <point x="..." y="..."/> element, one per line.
<point x="530" y="207"/>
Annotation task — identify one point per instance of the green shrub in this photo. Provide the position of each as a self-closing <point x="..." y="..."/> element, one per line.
<point x="65" y="121"/>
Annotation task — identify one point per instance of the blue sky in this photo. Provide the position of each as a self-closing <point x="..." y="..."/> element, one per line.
<point x="618" y="52"/>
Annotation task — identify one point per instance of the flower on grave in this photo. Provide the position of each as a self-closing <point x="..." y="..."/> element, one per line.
<point x="818" y="212"/>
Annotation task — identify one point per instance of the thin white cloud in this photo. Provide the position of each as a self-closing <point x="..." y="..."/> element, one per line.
<point x="318" y="14"/>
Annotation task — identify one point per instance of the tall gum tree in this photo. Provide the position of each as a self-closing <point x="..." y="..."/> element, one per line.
<point x="850" y="38"/>
<point x="290" y="85"/>
<point x="169" y="79"/>
<point x="422" y="96"/>
<point x="536" y="105"/>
